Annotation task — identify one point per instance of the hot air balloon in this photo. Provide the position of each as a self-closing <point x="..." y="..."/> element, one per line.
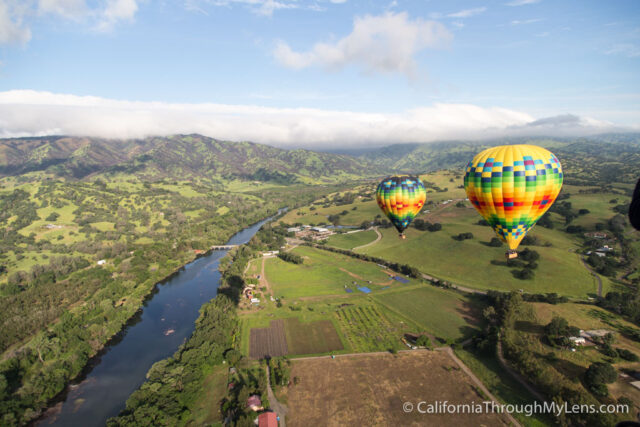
<point x="512" y="186"/>
<point x="401" y="197"/>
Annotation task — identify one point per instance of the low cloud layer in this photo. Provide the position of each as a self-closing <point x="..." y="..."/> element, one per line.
<point x="32" y="113"/>
<point x="385" y="43"/>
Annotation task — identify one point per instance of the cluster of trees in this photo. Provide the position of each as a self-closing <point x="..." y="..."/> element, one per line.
<point x="558" y="331"/>
<point x="398" y="268"/>
<point x="550" y="298"/>
<point x="604" y="265"/>
<point x="462" y="236"/>
<point x="289" y="257"/>
<point x="526" y="261"/>
<point x="58" y="268"/>
<point x="627" y="303"/>
<point x="280" y="371"/>
<point x="423" y="225"/>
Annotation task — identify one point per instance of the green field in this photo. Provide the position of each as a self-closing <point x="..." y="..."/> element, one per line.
<point x="468" y="262"/>
<point x="352" y="240"/>
<point x="448" y="315"/>
<point x="367" y="328"/>
<point x="311" y="337"/>
<point x="323" y="273"/>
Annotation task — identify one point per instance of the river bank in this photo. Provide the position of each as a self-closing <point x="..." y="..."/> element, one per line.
<point x="164" y="321"/>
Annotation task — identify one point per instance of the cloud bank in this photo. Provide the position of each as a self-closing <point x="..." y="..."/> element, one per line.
<point x="385" y="43"/>
<point x="33" y="113"/>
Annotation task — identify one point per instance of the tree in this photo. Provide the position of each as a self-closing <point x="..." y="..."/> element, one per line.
<point x="495" y="242"/>
<point x="598" y="375"/>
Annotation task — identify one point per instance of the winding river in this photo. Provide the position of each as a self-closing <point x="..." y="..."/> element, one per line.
<point x="167" y="319"/>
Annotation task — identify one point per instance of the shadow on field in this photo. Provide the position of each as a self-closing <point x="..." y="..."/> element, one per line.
<point x="528" y="326"/>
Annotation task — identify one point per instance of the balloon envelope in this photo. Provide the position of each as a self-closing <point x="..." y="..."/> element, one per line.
<point x="401" y="197"/>
<point x="512" y="186"/>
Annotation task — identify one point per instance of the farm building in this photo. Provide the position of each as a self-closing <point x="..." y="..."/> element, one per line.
<point x="270" y="253"/>
<point x="255" y="300"/>
<point x="293" y="229"/>
<point x="102" y="262"/>
<point x="315" y="233"/>
<point x="268" y="419"/>
<point x="254" y="403"/>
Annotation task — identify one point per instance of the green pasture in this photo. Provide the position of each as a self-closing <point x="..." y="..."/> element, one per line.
<point x="321" y="274"/>
<point x="468" y="262"/>
<point x="448" y="315"/>
<point x="316" y="214"/>
<point x="352" y="240"/>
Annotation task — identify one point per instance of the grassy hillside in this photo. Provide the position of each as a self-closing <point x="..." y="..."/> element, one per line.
<point x="176" y="156"/>
<point x="602" y="158"/>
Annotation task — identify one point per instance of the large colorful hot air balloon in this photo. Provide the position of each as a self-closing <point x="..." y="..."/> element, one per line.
<point x="512" y="186"/>
<point x="401" y="197"/>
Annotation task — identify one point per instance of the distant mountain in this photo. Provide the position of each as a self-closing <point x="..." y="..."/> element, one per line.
<point x="177" y="156"/>
<point x="602" y="158"/>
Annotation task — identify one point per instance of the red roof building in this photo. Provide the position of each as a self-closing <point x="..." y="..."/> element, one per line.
<point x="268" y="419"/>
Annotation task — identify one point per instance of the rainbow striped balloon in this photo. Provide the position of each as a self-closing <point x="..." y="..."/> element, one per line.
<point x="512" y="186"/>
<point x="401" y="197"/>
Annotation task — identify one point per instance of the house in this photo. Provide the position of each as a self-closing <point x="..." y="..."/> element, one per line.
<point x="254" y="403"/>
<point x="102" y="262"/>
<point x="293" y="229"/>
<point x="605" y="248"/>
<point x="255" y="301"/>
<point x="268" y="419"/>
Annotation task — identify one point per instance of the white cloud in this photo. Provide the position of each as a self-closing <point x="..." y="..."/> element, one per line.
<point x="29" y="113"/>
<point x="626" y="49"/>
<point x="525" y="22"/>
<point x="12" y="30"/>
<point x="385" y="43"/>
<point x="116" y="11"/>
<point x="466" y="13"/>
<point x="259" y="7"/>
<point x="69" y="9"/>
<point x="522" y="2"/>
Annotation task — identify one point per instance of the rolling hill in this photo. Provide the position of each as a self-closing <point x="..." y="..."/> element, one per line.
<point x="176" y="156"/>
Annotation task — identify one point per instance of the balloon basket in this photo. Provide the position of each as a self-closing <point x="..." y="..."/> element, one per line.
<point x="402" y="236"/>
<point x="511" y="254"/>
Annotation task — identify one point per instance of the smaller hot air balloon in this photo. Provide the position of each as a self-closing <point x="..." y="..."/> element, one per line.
<point x="512" y="186"/>
<point x="401" y="197"/>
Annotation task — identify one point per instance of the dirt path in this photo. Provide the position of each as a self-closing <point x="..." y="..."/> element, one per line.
<point x="263" y="279"/>
<point x="278" y="407"/>
<point x="475" y="379"/>
<point x="370" y="243"/>
<point x="516" y="375"/>
<point x="594" y="274"/>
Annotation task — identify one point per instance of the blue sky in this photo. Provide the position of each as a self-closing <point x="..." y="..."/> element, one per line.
<point x="319" y="72"/>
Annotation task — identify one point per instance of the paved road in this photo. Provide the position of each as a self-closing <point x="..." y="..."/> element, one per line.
<point x="278" y="407"/>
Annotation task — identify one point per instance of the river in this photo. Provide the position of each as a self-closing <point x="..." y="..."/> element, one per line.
<point x="167" y="319"/>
